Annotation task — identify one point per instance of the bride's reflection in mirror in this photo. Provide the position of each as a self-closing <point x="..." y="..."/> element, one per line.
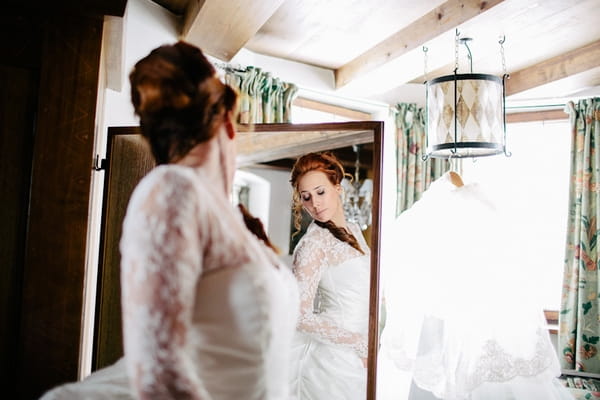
<point x="331" y="263"/>
<point x="331" y="260"/>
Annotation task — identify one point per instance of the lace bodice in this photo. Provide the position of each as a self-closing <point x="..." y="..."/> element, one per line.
<point x="338" y="275"/>
<point x="208" y="312"/>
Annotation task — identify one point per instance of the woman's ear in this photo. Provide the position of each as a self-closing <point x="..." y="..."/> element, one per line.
<point x="229" y="126"/>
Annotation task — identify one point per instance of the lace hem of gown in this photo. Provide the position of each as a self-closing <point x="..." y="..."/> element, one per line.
<point x="494" y="364"/>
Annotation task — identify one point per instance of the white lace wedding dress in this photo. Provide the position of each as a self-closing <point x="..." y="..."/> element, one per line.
<point x="461" y="315"/>
<point x="331" y="341"/>
<point x="208" y="316"/>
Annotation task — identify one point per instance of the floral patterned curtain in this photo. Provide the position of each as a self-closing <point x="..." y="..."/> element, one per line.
<point x="413" y="174"/>
<point x="263" y="98"/>
<point x="579" y="333"/>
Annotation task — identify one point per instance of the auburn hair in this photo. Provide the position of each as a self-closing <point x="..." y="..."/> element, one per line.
<point x="256" y="226"/>
<point x="179" y="99"/>
<point x="327" y="163"/>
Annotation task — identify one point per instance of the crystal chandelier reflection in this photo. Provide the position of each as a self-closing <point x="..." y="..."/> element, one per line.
<point x="357" y="196"/>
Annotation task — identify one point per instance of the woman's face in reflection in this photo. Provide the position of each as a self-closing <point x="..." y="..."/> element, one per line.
<point x="321" y="198"/>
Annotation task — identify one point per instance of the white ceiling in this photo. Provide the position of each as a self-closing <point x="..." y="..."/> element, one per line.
<point x="375" y="47"/>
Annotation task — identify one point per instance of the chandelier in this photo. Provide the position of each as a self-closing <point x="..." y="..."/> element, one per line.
<point x="357" y="196"/>
<point x="466" y="113"/>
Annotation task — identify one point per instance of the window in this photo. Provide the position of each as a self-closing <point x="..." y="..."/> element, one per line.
<point x="533" y="185"/>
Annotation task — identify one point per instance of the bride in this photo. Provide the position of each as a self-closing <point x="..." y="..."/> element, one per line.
<point x="331" y="263"/>
<point x="209" y="311"/>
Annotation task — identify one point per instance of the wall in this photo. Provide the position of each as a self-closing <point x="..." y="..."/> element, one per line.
<point x="146" y="26"/>
<point x="280" y="214"/>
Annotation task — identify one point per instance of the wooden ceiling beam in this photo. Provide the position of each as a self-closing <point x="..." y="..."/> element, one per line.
<point x="442" y="19"/>
<point x="354" y="115"/>
<point x="562" y="66"/>
<point x="222" y="27"/>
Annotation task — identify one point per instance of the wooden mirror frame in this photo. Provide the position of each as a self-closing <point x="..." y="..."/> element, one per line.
<point x="255" y="143"/>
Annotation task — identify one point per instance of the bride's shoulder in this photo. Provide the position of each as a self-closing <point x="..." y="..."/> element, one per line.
<point x="315" y="234"/>
<point x="168" y="174"/>
<point x="312" y="242"/>
<point x="166" y="187"/>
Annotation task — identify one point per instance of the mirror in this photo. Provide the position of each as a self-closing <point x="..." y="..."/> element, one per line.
<point x="269" y="151"/>
<point x="259" y="146"/>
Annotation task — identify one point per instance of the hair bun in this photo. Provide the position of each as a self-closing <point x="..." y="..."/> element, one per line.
<point x="179" y="99"/>
<point x="155" y="96"/>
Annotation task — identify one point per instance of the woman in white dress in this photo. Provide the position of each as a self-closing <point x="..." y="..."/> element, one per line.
<point x="331" y="263"/>
<point x="461" y="313"/>
<point x="208" y="310"/>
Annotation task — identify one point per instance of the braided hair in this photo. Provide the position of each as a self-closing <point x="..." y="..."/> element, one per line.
<point x="256" y="226"/>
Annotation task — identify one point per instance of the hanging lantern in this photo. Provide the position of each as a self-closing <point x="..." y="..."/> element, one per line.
<point x="466" y="114"/>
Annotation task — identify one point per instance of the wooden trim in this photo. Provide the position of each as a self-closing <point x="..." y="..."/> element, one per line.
<point x="552" y="321"/>
<point x="581" y="374"/>
<point x="562" y="66"/>
<point x="547" y="115"/>
<point x="551" y="316"/>
<point x="374" y="301"/>
<point x="332" y="109"/>
<point x="438" y="21"/>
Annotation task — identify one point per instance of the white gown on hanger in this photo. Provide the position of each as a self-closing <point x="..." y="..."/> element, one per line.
<point x="331" y="340"/>
<point x="461" y="312"/>
<point x="232" y="305"/>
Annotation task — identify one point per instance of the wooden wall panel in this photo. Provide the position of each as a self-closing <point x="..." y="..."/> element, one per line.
<point x="17" y="106"/>
<point x="19" y="76"/>
<point x="62" y="160"/>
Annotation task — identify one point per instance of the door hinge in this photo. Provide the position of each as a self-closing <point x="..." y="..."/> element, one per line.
<point x="99" y="164"/>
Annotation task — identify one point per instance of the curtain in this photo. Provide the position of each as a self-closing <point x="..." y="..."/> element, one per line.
<point x="413" y="174"/>
<point x="263" y="98"/>
<point x="578" y="318"/>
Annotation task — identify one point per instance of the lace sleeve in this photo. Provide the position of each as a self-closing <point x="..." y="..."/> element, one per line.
<point x="161" y="263"/>
<point x="308" y="264"/>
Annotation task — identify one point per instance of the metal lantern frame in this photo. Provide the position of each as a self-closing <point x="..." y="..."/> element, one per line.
<point x="458" y="148"/>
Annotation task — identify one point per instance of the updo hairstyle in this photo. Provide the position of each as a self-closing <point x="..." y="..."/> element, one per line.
<point x="327" y="163"/>
<point x="179" y="99"/>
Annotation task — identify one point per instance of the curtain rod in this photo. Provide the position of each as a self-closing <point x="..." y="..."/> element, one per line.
<point x="547" y="106"/>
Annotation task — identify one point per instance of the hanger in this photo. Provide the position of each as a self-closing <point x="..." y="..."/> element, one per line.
<point x="455" y="179"/>
<point x="454" y="176"/>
